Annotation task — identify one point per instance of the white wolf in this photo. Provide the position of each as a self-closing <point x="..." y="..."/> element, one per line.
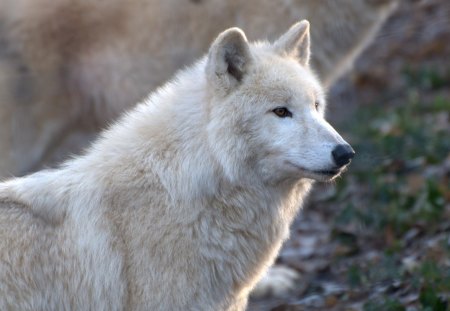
<point x="185" y="202"/>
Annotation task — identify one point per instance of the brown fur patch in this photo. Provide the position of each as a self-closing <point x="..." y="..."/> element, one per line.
<point x="60" y="33"/>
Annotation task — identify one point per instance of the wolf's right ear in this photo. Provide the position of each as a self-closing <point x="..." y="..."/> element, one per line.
<point x="228" y="59"/>
<point x="295" y="42"/>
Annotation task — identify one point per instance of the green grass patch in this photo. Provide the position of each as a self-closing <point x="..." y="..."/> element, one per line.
<point x="401" y="183"/>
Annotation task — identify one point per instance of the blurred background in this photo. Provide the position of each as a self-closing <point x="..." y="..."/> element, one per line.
<point x="376" y="239"/>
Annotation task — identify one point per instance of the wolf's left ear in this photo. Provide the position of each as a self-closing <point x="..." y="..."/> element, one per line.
<point x="295" y="42"/>
<point x="228" y="59"/>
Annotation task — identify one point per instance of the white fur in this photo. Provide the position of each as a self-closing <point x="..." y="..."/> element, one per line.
<point x="184" y="202"/>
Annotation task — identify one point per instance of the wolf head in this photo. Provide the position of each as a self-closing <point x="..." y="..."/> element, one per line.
<point x="267" y="109"/>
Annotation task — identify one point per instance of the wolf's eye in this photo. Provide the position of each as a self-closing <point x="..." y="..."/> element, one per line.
<point x="316" y="104"/>
<point x="282" y="112"/>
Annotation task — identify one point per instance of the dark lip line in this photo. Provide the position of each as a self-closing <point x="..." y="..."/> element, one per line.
<point x="327" y="172"/>
<point x="318" y="172"/>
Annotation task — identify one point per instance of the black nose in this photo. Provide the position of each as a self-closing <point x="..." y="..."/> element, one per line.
<point x="343" y="154"/>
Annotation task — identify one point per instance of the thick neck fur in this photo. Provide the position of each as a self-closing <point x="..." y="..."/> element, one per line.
<point x="154" y="176"/>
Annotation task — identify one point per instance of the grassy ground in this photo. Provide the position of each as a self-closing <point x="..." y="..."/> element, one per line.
<point x="396" y="200"/>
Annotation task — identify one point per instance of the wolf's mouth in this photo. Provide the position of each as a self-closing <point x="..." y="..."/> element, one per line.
<point x="327" y="172"/>
<point x="320" y="175"/>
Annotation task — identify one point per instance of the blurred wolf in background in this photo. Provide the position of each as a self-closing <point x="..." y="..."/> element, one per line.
<point x="67" y="68"/>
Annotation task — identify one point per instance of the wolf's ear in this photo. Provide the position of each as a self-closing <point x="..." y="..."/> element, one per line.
<point x="295" y="42"/>
<point x="228" y="59"/>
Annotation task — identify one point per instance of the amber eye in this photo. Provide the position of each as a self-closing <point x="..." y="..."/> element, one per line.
<point x="282" y="112"/>
<point x="316" y="104"/>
